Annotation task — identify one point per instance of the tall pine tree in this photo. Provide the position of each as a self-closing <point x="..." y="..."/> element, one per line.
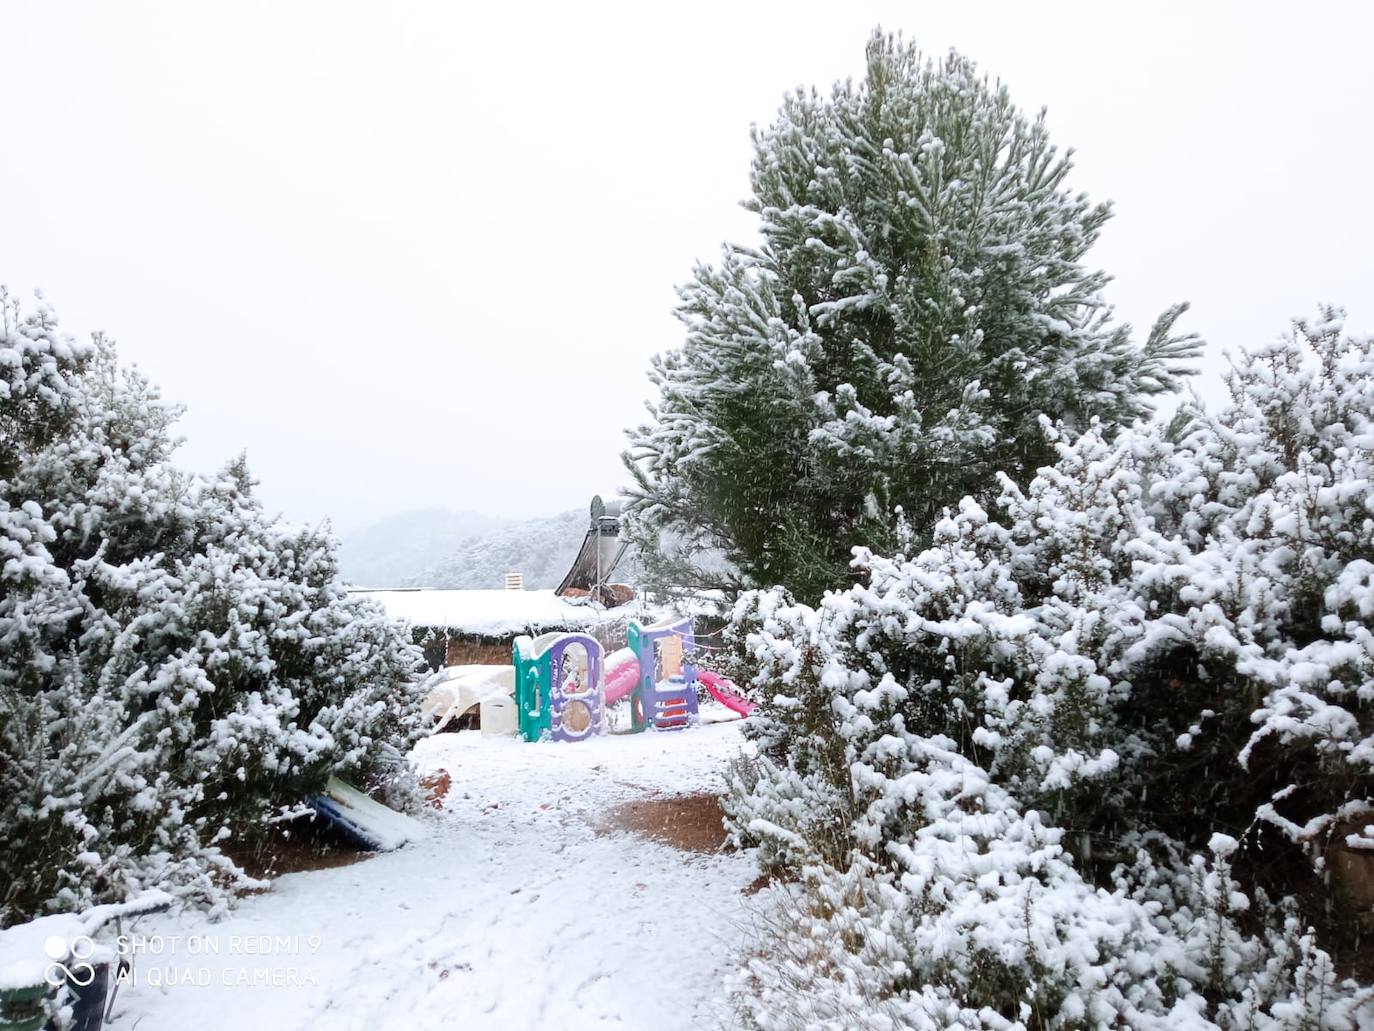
<point x="919" y="300"/>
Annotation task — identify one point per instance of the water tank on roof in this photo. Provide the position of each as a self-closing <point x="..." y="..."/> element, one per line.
<point x="602" y="550"/>
<point x="606" y="510"/>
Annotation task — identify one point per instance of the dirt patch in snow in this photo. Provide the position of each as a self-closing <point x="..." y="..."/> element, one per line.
<point x="757" y="885"/>
<point x="689" y="822"/>
<point x="311" y="848"/>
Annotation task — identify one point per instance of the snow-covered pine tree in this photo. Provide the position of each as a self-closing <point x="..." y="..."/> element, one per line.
<point x="920" y="298"/>
<point x="176" y="669"/>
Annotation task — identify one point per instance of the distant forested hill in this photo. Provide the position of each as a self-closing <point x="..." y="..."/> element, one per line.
<point x="399" y="549"/>
<point x="542" y="549"/>
<point x="466" y="551"/>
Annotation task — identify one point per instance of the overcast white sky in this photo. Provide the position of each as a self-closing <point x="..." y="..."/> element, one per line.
<point x="418" y="255"/>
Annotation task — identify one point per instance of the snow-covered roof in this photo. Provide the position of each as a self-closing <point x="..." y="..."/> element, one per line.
<point x="494" y="613"/>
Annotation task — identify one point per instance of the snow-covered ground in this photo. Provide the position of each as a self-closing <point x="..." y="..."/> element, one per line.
<point x="518" y="910"/>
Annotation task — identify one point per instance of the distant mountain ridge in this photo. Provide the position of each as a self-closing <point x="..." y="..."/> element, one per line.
<point x="396" y="550"/>
<point x="445" y="550"/>
<point x="541" y="550"/>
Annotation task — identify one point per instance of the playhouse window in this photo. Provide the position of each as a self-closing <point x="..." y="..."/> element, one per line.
<point x="575" y="671"/>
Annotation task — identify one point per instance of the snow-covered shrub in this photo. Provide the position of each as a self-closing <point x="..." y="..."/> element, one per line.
<point x="176" y="668"/>
<point x="1159" y="649"/>
<point x="36" y="364"/>
<point x="987" y="924"/>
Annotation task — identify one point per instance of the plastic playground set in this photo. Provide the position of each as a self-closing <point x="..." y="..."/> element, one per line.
<point x="561" y="686"/>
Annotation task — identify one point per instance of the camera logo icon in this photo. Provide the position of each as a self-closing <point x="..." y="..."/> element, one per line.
<point x="61" y="952"/>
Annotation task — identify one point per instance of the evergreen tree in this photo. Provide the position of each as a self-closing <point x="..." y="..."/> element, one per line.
<point x="919" y="300"/>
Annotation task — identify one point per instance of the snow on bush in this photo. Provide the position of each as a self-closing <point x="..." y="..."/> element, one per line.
<point x="35" y="363"/>
<point x="176" y="669"/>
<point x="1050" y="771"/>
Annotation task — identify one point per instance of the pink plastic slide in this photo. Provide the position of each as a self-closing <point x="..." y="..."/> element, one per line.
<point x="720" y="688"/>
<point x="620" y="676"/>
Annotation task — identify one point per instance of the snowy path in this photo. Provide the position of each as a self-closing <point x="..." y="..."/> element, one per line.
<point x="515" y="913"/>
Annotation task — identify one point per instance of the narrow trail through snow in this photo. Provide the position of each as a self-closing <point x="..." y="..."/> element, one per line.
<point x="518" y="911"/>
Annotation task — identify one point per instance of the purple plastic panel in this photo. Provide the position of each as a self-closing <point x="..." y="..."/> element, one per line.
<point x="575" y="714"/>
<point x="674" y="706"/>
